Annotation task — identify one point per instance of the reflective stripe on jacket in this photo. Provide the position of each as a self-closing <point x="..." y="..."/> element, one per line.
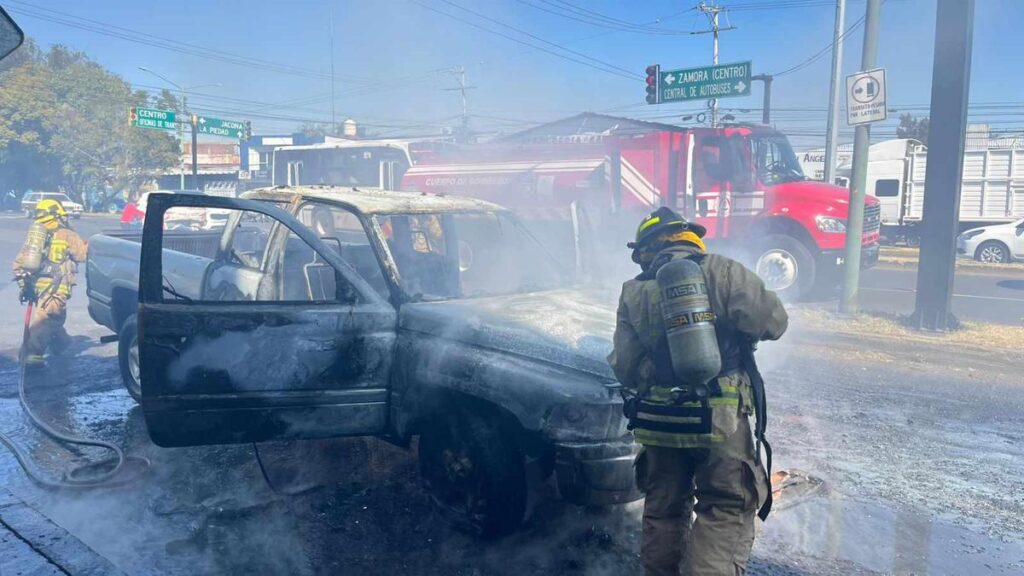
<point x="66" y="248"/>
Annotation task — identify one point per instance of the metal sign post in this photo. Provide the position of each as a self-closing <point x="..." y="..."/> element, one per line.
<point x="864" y="91"/>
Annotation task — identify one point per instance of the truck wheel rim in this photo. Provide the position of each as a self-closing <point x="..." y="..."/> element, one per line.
<point x="778" y="268"/>
<point x="992" y="254"/>
<point x="133" y="363"/>
<point x="455" y="486"/>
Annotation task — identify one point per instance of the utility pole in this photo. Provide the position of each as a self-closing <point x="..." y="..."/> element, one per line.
<point x="951" y="75"/>
<point x="766" y="107"/>
<point x="181" y="141"/>
<point x="460" y="73"/>
<point x="861" y="143"/>
<point x="195" y="152"/>
<point x="334" y="122"/>
<point x="833" y="92"/>
<point x="712" y="12"/>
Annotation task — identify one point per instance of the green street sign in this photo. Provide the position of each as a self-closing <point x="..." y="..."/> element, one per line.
<point x="152" y="118"/>
<point x="217" y="127"/>
<point x="721" y="81"/>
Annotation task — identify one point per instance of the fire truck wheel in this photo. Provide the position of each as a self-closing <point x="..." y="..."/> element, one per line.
<point x="786" y="266"/>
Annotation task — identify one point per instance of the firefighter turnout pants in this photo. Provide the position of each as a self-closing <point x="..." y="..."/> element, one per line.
<point x="47" y="326"/>
<point x="723" y="484"/>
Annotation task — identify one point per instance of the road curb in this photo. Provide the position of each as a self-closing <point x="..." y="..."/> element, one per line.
<point x="49" y="542"/>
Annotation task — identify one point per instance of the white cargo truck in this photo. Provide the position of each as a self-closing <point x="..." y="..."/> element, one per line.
<point x="992" y="190"/>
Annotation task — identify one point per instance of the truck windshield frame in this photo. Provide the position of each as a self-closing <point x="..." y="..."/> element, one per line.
<point x="471" y="254"/>
<point x="358" y="166"/>
<point x="775" y="160"/>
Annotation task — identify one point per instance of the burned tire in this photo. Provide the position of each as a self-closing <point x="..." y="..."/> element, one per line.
<point x="475" y="472"/>
<point x="128" y="357"/>
<point x="786" y="266"/>
<point x="993" y="252"/>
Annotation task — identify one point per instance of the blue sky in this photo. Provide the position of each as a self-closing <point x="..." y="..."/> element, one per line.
<point x="389" y="56"/>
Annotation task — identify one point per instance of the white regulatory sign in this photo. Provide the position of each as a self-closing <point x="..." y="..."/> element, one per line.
<point x="865" y="97"/>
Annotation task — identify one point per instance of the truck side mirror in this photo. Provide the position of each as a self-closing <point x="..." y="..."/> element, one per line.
<point x="11" y="35"/>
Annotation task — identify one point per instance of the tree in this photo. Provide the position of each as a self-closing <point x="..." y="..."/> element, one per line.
<point x="909" y="127"/>
<point x="64" y="125"/>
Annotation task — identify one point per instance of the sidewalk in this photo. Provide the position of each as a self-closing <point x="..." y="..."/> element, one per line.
<point x="32" y="545"/>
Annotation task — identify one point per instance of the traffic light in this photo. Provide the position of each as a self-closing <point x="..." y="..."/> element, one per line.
<point x="132" y="116"/>
<point x="248" y="129"/>
<point x="652" y="83"/>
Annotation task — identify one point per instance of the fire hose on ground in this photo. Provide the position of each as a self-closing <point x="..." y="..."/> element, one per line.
<point x="78" y="477"/>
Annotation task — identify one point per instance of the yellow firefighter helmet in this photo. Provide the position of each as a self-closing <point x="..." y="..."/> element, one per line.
<point x="49" y="210"/>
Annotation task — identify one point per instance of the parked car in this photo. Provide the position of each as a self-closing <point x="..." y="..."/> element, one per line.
<point x="28" y="203"/>
<point x="328" y="311"/>
<point x="997" y="243"/>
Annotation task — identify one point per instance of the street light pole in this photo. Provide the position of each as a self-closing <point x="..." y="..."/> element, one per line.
<point x="833" y="92"/>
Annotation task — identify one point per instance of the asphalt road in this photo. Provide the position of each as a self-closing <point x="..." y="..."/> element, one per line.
<point x="990" y="295"/>
<point x="922" y="458"/>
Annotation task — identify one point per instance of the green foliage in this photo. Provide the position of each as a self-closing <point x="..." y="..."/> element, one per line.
<point x="910" y="127"/>
<point x="64" y="125"/>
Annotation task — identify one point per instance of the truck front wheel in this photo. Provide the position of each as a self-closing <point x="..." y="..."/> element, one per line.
<point x="786" y="266"/>
<point x="128" y="356"/>
<point x="475" y="472"/>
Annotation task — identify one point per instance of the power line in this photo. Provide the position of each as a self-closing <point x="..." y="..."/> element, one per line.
<point x="781" y="5"/>
<point x="129" y="35"/>
<point x="601" y="66"/>
<point x="629" y="73"/>
<point x="821" y="53"/>
<point x="579" y="14"/>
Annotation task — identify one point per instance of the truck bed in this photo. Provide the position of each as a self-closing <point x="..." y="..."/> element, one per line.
<point x="112" y="270"/>
<point x="992" y="188"/>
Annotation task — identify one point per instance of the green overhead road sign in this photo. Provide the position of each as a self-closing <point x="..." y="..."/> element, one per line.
<point x="706" y="82"/>
<point x="217" y="127"/>
<point x="152" y="118"/>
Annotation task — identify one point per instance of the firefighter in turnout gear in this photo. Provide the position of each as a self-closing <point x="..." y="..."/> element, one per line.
<point x="699" y="453"/>
<point x="45" y="270"/>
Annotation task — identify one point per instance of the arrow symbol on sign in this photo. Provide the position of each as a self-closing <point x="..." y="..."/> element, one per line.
<point x="202" y="120"/>
<point x="740" y="86"/>
<point x="670" y="79"/>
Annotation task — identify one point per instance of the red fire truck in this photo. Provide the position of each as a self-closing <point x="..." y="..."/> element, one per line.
<point x="742" y="182"/>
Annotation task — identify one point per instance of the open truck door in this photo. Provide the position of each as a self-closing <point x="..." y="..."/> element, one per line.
<point x="279" y="338"/>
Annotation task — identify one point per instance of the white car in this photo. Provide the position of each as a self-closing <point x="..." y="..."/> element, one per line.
<point x="28" y="203"/>
<point x="193" y="218"/>
<point x="996" y="243"/>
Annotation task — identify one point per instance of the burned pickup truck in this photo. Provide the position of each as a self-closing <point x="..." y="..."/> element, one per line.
<point x="326" y="312"/>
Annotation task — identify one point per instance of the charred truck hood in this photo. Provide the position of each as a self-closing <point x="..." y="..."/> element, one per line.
<point x="567" y="328"/>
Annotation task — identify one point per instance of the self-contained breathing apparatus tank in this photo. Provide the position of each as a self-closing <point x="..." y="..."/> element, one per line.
<point x="689" y="323"/>
<point x="35" y="247"/>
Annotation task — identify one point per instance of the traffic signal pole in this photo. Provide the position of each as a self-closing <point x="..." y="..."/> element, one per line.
<point x="858" y="182"/>
<point x="766" y="107"/>
<point x="951" y="74"/>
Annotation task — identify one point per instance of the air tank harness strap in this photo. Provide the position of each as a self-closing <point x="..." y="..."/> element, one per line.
<point x="761" y="423"/>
